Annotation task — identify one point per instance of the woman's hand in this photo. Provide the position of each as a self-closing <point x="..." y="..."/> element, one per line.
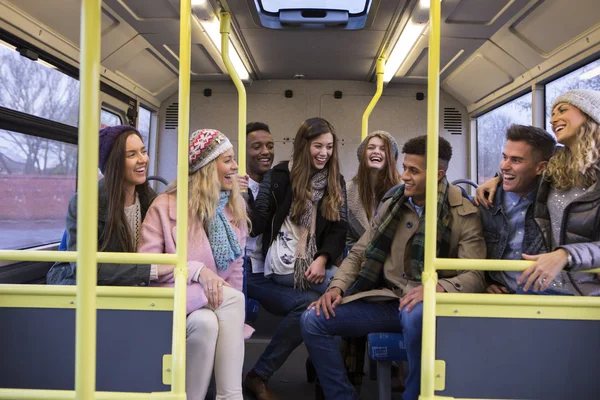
<point x="213" y="286"/>
<point x="316" y="272"/>
<point x="546" y="268"/>
<point x="489" y="187"/>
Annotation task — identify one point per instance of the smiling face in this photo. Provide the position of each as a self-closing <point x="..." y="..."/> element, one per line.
<point x="413" y="175"/>
<point x="136" y="161"/>
<point x="566" y="120"/>
<point x="375" y="153"/>
<point x="226" y="169"/>
<point x="520" y="168"/>
<point x="260" y="150"/>
<point x="321" y="149"/>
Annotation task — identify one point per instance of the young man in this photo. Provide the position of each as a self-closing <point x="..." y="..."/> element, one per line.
<point x="509" y="226"/>
<point x="277" y="299"/>
<point x="384" y="269"/>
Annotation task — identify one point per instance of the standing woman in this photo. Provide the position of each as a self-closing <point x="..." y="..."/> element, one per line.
<point x="377" y="173"/>
<point x="567" y="206"/>
<point x="218" y="227"/>
<point x="123" y="200"/>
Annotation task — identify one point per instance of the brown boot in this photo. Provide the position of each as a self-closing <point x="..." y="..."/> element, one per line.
<point x="257" y="386"/>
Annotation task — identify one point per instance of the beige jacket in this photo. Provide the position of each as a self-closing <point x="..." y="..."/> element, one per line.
<point x="466" y="242"/>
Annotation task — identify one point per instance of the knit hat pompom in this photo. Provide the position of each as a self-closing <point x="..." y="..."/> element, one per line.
<point x="205" y="146"/>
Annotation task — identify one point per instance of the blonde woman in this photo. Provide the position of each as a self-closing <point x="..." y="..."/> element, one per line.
<point x="567" y="206"/>
<point x="218" y="227"/>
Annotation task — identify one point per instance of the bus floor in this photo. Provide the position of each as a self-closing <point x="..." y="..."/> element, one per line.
<point x="290" y="381"/>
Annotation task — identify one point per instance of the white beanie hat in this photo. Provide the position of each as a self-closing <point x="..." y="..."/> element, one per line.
<point x="588" y="101"/>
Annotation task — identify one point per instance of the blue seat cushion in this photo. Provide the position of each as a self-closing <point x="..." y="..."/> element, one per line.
<point x="387" y="347"/>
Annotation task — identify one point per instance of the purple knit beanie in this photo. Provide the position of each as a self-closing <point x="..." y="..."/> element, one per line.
<point x="108" y="136"/>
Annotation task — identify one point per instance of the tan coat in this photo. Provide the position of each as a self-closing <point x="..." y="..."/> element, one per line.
<point x="466" y="242"/>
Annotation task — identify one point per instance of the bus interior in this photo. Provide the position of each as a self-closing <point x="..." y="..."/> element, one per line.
<point x="501" y="62"/>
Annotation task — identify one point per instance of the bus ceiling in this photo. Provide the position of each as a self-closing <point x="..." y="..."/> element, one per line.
<point x="490" y="50"/>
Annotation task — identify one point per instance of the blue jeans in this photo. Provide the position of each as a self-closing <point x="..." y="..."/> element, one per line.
<point x="288" y="280"/>
<point x="282" y="301"/>
<point x="356" y="319"/>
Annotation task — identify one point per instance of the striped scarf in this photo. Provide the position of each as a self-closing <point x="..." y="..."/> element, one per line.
<point x="376" y="252"/>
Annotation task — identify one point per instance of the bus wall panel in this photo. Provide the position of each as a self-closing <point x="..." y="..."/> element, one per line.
<point x="398" y="112"/>
<point x="38" y="349"/>
<point x="503" y="358"/>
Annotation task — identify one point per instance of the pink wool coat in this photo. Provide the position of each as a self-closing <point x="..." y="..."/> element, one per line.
<point x="158" y="235"/>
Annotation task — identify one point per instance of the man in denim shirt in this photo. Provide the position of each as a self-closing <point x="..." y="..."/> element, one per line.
<point x="509" y="227"/>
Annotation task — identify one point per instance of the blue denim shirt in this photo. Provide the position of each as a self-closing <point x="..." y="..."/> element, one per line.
<point x="501" y="226"/>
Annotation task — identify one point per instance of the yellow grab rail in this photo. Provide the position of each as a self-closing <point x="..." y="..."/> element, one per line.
<point x="71" y="256"/>
<point x="181" y="271"/>
<point x="87" y="200"/>
<point x="429" y="277"/>
<point x="225" y="31"/>
<point x="379" y="71"/>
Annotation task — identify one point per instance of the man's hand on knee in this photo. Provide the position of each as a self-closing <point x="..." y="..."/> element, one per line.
<point x="328" y="302"/>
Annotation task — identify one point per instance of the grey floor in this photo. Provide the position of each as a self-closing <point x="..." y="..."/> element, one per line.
<point x="289" y="383"/>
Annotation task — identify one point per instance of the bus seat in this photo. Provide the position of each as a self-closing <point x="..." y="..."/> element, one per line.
<point x="384" y="348"/>
<point x="63" y="242"/>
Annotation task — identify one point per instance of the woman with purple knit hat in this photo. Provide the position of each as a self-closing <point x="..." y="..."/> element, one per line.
<point x="123" y="199"/>
<point x="567" y="205"/>
<point x="217" y="232"/>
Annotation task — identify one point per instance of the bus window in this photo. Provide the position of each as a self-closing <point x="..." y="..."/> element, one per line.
<point x="37" y="177"/>
<point x="108" y="118"/>
<point x="144" y="121"/>
<point x="586" y="77"/>
<point x="491" y="133"/>
<point x="36" y="87"/>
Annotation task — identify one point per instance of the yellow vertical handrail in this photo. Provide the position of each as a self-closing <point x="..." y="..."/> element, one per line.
<point x="181" y="270"/>
<point x="87" y="200"/>
<point x="225" y="31"/>
<point x="429" y="278"/>
<point x="379" y="71"/>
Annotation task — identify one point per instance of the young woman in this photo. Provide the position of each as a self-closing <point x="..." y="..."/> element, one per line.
<point x="303" y="222"/>
<point x="301" y="212"/>
<point x="123" y="199"/>
<point x="377" y="173"/>
<point x="218" y="227"/>
<point x="567" y="207"/>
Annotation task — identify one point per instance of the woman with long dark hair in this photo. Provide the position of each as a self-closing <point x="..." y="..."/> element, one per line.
<point x="377" y="173"/>
<point x="124" y="197"/>
<point x="301" y="212"/>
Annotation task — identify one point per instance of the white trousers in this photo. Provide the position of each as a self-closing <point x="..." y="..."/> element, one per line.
<point x="215" y="339"/>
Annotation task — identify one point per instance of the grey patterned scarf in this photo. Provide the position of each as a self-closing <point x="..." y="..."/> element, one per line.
<point x="307" y="242"/>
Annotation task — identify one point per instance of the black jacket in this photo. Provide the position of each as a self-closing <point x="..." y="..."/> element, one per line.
<point x="63" y="273"/>
<point x="272" y="205"/>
